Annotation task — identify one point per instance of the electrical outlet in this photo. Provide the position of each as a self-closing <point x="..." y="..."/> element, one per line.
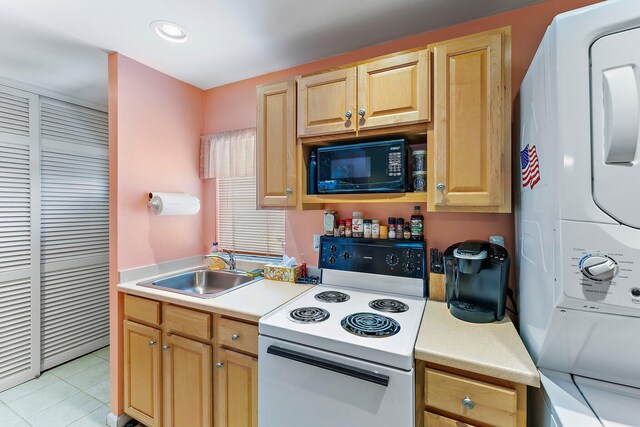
<point x="316" y="242"/>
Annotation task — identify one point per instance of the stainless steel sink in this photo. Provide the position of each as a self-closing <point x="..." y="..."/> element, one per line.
<point x="202" y="283"/>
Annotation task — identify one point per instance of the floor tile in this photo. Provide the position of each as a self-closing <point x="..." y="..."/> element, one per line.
<point x="100" y="391"/>
<point x="90" y="376"/>
<point x="24" y="389"/>
<point x="65" y="412"/>
<point x="103" y="353"/>
<point x="42" y="399"/>
<point x="8" y="418"/>
<point x="75" y="366"/>
<point x="95" y="419"/>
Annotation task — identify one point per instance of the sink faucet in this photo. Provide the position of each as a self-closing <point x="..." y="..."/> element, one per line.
<point x="231" y="263"/>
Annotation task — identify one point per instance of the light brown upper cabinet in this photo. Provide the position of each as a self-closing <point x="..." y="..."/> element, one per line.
<point x="390" y="91"/>
<point x="276" y="145"/>
<point x="469" y="154"/>
<point x="394" y="90"/>
<point x="327" y="103"/>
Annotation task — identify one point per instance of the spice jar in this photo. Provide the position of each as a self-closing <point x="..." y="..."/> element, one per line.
<point x="384" y="232"/>
<point x="367" y="228"/>
<point x="406" y="234"/>
<point x="392" y="227"/>
<point x="375" y="229"/>
<point x="419" y="160"/>
<point x="342" y="227"/>
<point x="347" y="227"/>
<point x="399" y="228"/>
<point x="420" y="181"/>
<point x="329" y="222"/>
<point x="357" y="224"/>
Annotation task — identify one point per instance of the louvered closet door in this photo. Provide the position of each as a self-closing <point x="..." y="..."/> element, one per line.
<point x="19" y="244"/>
<point x="75" y="231"/>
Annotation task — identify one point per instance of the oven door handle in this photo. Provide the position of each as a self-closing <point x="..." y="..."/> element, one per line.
<point x="362" y="374"/>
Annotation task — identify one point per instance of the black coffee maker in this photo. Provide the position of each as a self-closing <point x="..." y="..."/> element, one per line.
<point x="476" y="275"/>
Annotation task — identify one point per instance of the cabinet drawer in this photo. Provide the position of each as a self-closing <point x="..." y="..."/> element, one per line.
<point x="238" y="335"/>
<point x="189" y="322"/>
<point x="433" y="420"/>
<point x="487" y="403"/>
<point x="142" y="309"/>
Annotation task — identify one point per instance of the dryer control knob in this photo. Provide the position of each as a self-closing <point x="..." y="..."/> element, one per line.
<point x="598" y="267"/>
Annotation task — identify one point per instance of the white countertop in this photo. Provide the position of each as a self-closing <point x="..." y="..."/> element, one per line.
<point x="492" y="349"/>
<point x="249" y="302"/>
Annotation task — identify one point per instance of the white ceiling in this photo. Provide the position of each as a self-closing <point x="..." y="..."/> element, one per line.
<point x="60" y="44"/>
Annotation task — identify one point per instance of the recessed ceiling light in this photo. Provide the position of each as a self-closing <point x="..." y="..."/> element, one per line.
<point x="169" y="31"/>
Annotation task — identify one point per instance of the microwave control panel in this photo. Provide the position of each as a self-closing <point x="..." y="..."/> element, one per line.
<point x="395" y="163"/>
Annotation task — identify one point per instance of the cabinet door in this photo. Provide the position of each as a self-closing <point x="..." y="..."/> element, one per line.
<point x="472" y="112"/>
<point x="187" y="382"/>
<point x="142" y="373"/>
<point x="433" y="420"/>
<point x="326" y="103"/>
<point x="236" y="390"/>
<point x="276" y="145"/>
<point x="394" y="91"/>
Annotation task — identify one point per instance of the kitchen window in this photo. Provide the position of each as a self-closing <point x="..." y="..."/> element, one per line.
<point x="229" y="158"/>
<point x="243" y="228"/>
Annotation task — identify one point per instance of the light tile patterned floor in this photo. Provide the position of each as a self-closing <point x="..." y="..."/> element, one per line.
<point x="74" y="394"/>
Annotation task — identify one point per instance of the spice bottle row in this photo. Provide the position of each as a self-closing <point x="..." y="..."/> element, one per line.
<point x="359" y="226"/>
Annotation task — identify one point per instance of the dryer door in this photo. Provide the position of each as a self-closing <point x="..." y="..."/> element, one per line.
<point x="615" y="106"/>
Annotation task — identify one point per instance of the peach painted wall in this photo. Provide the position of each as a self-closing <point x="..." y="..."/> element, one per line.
<point x="155" y="127"/>
<point x="233" y="107"/>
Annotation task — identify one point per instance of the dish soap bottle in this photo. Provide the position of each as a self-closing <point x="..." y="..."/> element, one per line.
<point x="216" y="263"/>
<point x="417" y="224"/>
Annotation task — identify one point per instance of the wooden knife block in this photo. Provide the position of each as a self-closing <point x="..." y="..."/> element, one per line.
<point x="437" y="287"/>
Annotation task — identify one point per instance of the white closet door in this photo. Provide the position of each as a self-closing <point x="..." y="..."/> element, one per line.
<point x="75" y="231"/>
<point x="19" y="238"/>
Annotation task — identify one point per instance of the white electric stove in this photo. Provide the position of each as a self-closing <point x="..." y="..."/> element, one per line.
<point x="341" y="354"/>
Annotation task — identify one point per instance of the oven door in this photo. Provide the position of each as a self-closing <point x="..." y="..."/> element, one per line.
<point x="304" y="386"/>
<point x="373" y="167"/>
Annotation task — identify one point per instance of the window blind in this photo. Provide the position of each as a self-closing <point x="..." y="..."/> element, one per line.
<point x="241" y="226"/>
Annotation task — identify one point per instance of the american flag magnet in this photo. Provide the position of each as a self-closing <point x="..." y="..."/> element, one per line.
<point x="530" y="166"/>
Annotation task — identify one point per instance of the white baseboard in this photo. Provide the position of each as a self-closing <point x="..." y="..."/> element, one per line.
<point x="114" y="420"/>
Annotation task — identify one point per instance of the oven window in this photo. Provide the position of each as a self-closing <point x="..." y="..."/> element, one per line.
<point x="351" y="166"/>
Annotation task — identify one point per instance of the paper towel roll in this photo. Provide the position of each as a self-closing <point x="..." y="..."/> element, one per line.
<point x="174" y="203"/>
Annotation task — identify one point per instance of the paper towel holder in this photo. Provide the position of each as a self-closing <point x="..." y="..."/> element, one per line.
<point x="191" y="204"/>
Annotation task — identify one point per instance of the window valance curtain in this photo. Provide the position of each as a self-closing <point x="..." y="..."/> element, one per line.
<point x="228" y="154"/>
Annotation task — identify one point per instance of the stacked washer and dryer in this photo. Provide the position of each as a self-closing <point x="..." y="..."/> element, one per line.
<point x="578" y="226"/>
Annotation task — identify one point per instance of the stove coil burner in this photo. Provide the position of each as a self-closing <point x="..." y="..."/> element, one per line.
<point x="332" y="296"/>
<point x="370" y="325"/>
<point x="389" y="305"/>
<point x="308" y="315"/>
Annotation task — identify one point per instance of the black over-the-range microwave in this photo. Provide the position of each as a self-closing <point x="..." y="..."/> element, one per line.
<point x="370" y="167"/>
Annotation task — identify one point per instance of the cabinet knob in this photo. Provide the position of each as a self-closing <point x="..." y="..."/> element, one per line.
<point x="468" y="403"/>
<point x="362" y="112"/>
<point x="166" y="347"/>
<point x="440" y="187"/>
<point x="235" y="337"/>
<point x="348" y="114"/>
<point x="288" y="191"/>
<point x="219" y="365"/>
<point x="152" y="343"/>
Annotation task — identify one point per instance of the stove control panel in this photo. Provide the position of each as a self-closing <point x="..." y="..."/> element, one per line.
<point x="391" y="257"/>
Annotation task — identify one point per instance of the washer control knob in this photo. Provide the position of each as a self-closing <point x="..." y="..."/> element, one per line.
<point x="598" y="267"/>
<point x="333" y="249"/>
<point x="332" y="259"/>
<point x="635" y="292"/>
<point x="346" y="255"/>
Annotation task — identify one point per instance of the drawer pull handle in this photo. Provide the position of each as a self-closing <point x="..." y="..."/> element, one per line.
<point x="166" y="347"/>
<point x="235" y="337"/>
<point x="219" y="365"/>
<point x="152" y="343"/>
<point x="468" y="403"/>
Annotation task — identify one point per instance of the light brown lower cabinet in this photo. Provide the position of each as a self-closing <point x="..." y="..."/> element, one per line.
<point x="187" y="370"/>
<point x="142" y="391"/>
<point x="236" y="389"/>
<point x="434" y="420"/>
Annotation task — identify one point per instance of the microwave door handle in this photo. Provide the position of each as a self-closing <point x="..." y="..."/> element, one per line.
<point x="341" y="368"/>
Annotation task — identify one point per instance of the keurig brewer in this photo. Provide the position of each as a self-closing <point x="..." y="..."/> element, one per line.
<point x="476" y="276"/>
